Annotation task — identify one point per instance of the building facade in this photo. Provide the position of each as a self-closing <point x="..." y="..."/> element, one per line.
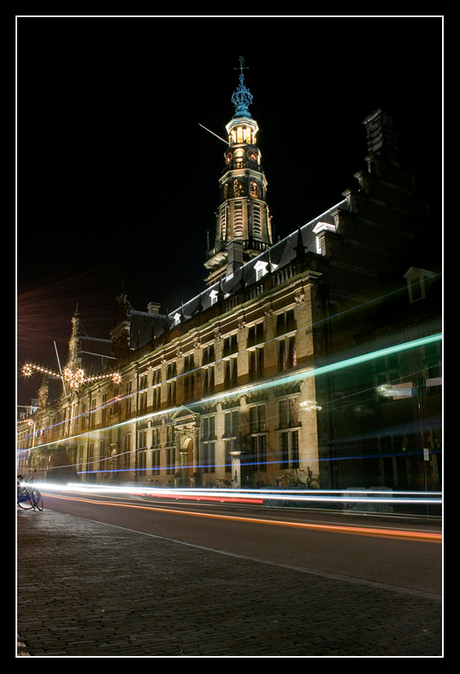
<point x="285" y="367"/>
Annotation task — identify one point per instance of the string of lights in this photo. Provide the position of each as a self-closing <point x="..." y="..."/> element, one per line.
<point x="74" y="377"/>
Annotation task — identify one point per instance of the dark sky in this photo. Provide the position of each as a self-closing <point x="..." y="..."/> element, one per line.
<point x="118" y="184"/>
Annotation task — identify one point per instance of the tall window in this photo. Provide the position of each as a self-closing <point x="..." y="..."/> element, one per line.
<point x="287" y="355"/>
<point x="189" y="379"/>
<point x="288" y="421"/>
<point x="208" y="355"/>
<point x="129" y="399"/>
<point x="171" y="393"/>
<point x="141" y="453"/>
<point x="104" y="409"/>
<point x="285" y="322"/>
<point x="208" y="444"/>
<point x="189" y="362"/>
<point x="90" y="463"/>
<point x="232" y="429"/>
<point x="142" y="394"/>
<point x="288" y="413"/>
<point x="208" y="380"/>
<point x="189" y="387"/>
<point x="230" y="345"/>
<point x="256" y="334"/>
<point x="256" y="363"/>
<point x="126" y="459"/>
<point x="232" y="425"/>
<point x="170" y="450"/>
<point x="257" y="430"/>
<point x="155" y="452"/>
<point x="92" y="415"/>
<point x="257" y="422"/>
<point x="289" y="449"/>
<point x="259" y="451"/>
<point x="231" y="372"/>
<point x="156" y="397"/>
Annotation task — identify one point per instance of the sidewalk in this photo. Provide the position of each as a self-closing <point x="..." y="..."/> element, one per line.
<point x="89" y="589"/>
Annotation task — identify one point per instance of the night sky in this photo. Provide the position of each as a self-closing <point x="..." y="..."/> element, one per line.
<point x="117" y="184"/>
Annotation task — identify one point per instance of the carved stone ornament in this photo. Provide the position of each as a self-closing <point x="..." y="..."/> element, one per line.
<point x="300" y="298"/>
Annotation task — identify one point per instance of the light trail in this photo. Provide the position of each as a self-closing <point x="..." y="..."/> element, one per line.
<point x="259" y="496"/>
<point x="275" y="381"/>
<point x="325" y="369"/>
<point x="400" y="534"/>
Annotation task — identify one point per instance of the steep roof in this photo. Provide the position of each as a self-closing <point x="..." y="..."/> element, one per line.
<point x="279" y="255"/>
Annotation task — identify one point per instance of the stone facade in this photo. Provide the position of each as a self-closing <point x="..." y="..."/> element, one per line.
<point x="243" y="385"/>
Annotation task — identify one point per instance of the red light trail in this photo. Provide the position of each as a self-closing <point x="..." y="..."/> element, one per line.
<point x="402" y="534"/>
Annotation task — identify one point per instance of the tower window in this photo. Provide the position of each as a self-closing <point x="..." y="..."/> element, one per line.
<point x="223" y="226"/>
<point x="238" y="188"/>
<point x="238" y="221"/>
<point x="256" y="220"/>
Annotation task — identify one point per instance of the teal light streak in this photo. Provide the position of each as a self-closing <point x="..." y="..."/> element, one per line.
<point x="332" y="367"/>
<point x="286" y="379"/>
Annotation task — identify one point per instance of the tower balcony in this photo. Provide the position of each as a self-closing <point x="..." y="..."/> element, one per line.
<point x="243" y="164"/>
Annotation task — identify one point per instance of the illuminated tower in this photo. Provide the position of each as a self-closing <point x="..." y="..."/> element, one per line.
<point x="243" y="227"/>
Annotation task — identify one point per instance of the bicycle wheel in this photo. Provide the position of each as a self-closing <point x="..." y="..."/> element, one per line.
<point x="275" y="503"/>
<point x="37" y="500"/>
<point x="26" y="504"/>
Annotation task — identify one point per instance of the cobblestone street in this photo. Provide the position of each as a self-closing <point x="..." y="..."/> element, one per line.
<point x="89" y="589"/>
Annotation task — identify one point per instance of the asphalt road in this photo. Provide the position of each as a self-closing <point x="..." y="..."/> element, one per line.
<point x="385" y="552"/>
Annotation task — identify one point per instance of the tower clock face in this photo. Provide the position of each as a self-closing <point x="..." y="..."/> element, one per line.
<point x="228" y="157"/>
<point x="252" y="155"/>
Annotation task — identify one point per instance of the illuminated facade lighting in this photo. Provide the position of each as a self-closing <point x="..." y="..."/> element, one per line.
<point x="282" y="368"/>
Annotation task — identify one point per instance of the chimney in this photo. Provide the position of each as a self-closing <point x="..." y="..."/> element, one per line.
<point x="235" y="256"/>
<point x="381" y="136"/>
<point x="153" y="308"/>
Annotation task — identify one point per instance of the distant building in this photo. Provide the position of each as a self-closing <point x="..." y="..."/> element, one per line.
<point x="252" y="380"/>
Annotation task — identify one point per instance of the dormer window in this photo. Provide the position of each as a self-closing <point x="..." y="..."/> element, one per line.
<point x="261" y="268"/>
<point x="320" y="229"/>
<point x="417" y="282"/>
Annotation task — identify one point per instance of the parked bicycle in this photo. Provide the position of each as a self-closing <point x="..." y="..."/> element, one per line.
<point x="28" y="496"/>
<point x="276" y="502"/>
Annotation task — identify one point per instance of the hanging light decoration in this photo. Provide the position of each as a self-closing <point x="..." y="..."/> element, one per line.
<point x="74" y="378"/>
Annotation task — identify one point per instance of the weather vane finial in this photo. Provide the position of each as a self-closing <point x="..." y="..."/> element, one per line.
<point x="242" y="97"/>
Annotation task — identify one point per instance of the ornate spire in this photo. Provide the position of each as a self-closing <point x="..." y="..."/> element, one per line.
<point x="242" y="97"/>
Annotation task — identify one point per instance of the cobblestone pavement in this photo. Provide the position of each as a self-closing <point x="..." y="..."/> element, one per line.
<point x="89" y="589"/>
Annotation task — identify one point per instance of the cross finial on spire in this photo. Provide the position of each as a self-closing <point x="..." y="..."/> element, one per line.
<point x="242" y="66"/>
